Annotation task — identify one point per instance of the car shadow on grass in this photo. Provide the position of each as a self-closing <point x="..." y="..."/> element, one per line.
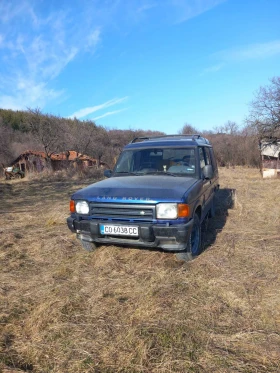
<point x="224" y="201"/>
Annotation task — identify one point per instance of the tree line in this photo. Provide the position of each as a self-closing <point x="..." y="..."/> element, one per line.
<point x="33" y="130"/>
<point x="234" y="145"/>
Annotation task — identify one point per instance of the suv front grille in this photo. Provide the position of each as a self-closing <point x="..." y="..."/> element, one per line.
<point x="124" y="212"/>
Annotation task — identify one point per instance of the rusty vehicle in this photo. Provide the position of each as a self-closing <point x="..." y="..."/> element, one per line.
<point x="13" y="172"/>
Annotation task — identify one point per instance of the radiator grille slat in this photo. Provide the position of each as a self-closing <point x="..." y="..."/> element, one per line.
<point x="108" y="211"/>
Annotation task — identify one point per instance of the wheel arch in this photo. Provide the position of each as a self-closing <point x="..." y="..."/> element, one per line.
<point x="198" y="211"/>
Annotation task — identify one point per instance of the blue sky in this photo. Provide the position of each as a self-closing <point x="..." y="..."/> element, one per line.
<point x="138" y="64"/>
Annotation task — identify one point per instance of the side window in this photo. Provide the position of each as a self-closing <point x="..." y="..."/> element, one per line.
<point x="207" y="155"/>
<point x="214" y="163"/>
<point x="201" y="158"/>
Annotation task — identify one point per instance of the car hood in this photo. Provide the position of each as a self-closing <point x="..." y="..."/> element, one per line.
<point x="140" y="189"/>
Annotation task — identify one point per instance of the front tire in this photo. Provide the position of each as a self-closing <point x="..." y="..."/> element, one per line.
<point x="194" y="246"/>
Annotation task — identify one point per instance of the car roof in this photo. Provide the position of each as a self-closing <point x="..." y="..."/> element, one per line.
<point x="168" y="140"/>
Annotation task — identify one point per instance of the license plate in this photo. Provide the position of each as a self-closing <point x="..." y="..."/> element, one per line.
<point x="119" y="230"/>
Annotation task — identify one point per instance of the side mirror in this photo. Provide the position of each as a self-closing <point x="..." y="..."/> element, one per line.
<point x="208" y="171"/>
<point x="108" y="173"/>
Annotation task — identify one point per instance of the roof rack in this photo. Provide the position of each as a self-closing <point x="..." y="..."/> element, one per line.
<point x="192" y="136"/>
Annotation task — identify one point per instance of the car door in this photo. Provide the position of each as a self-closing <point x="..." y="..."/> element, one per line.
<point x="208" y="187"/>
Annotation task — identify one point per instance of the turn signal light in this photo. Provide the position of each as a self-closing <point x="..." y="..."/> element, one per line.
<point x="183" y="210"/>
<point x="72" y="206"/>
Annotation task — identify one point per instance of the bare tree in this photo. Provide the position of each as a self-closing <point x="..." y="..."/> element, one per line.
<point x="6" y="136"/>
<point x="234" y="145"/>
<point x="265" y="111"/>
<point x="100" y="144"/>
<point x="81" y="136"/>
<point x="48" y="130"/>
<point x="188" y="129"/>
<point x="229" y="128"/>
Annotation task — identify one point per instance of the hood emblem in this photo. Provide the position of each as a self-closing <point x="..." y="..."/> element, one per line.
<point x="142" y="212"/>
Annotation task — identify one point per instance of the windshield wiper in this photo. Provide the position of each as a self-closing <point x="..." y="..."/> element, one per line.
<point x="139" y="173"/>
<point x="128" y="173"/>
<point x="160" y="173"/>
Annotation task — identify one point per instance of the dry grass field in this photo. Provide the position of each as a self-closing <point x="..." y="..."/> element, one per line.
<point x="118" y="310"/>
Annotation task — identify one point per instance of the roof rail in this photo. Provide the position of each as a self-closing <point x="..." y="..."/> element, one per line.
<point x="192" y="136"/>
<point x="141" y="138"/>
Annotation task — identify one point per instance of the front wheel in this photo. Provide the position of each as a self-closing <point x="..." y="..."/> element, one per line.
<point x="194" y="247"/>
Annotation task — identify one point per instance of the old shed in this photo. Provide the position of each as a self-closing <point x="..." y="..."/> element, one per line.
<point x="270" y="157"/>
<point x="37" y="161"/>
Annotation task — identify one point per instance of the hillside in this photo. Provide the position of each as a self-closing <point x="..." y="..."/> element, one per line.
<point x="126" y="310"/>
<point x="32" y="130"/>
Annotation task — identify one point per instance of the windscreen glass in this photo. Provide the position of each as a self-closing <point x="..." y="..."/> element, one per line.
<point x="176" y="161"/>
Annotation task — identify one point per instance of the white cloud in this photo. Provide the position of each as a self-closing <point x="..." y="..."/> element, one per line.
<point x="9" y="11"/>
<point x="38" y="42"/>
<point x="38" y="47"/>
<point x="186" y="10"/>
<point x="212" y="69"/>
<point x="93" y="38"/>
<point x="58" y="63"/>
<point x="252" y="51"/>
<point x="89" y="110"/>
<point x="38" y="95"/>
<point x="146" y="7"/>
<point x="109" y="113"/>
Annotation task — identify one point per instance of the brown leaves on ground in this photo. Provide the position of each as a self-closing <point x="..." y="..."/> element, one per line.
<point x="127" y="310"/>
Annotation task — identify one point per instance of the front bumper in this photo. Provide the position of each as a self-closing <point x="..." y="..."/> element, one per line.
<point x="170" y="238"/>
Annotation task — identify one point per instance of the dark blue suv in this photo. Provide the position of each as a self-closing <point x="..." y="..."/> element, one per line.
<point x="158" y="194"/>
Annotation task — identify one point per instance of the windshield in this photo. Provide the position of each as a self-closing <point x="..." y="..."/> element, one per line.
<point x="172" y="161"/>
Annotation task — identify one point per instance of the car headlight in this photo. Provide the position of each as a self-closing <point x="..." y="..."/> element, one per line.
<point x="167" y="211"/>
<point x="82" y="207"/>
<point x="172" y="210"/>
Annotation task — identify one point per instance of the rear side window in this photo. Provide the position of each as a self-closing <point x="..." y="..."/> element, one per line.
<point x="214" y="163"/>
